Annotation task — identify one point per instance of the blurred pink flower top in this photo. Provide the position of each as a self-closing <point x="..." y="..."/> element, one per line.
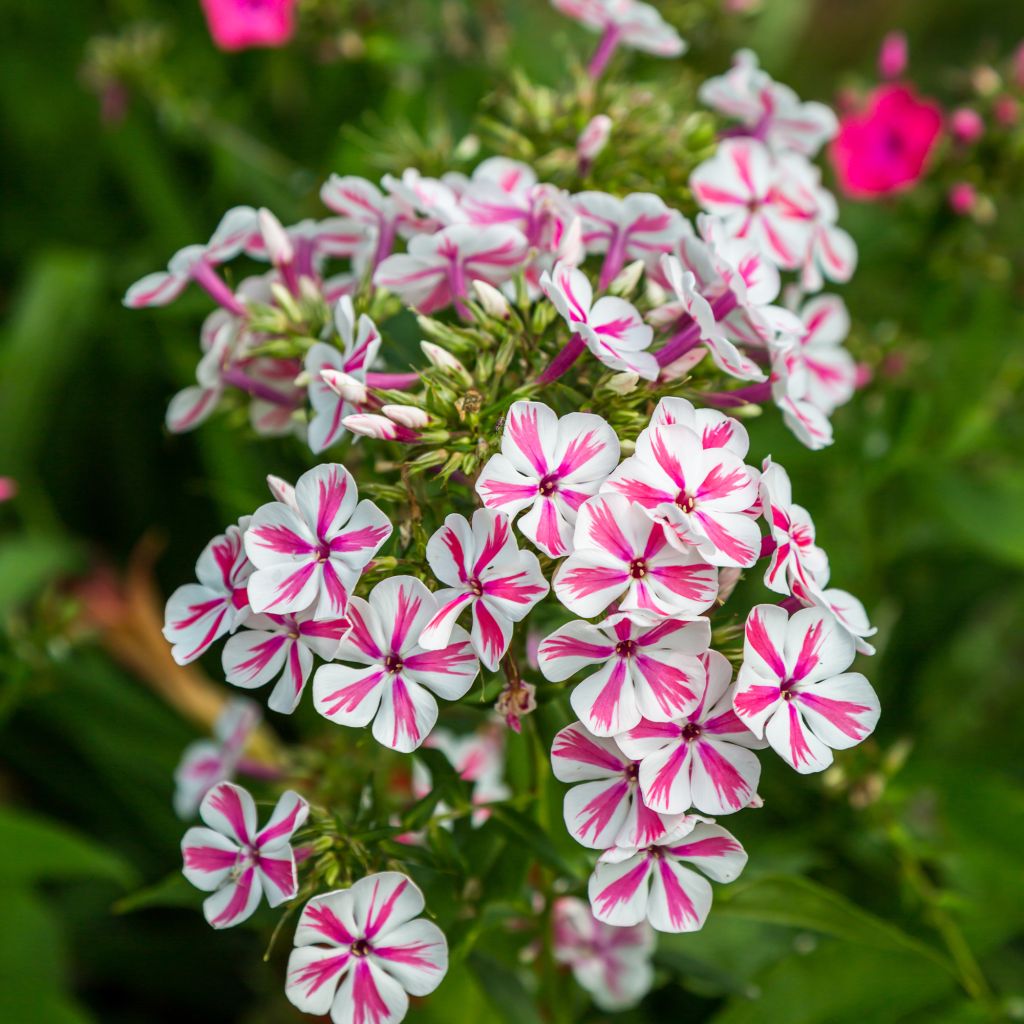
<point x="8" y="488"/>
<point x="885" y="147"/>
<point x="240" y="24"/>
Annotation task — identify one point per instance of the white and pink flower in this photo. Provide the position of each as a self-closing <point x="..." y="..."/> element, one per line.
<point x="631" y="884"/>
<point x="549" y="465"/>
<point x="206" y="762"/>
<point x="605" y="808"/>
<point x="312" y="553"/>
<point x="484" y="570"/>
<point x="716" y="430"/>
<point x="830" y="371"/>
<point x="198" y="614"/>
<point x="631" y="23"/>
<point x="238" y="863"/>
<point x="793" y="688"/>
<point x="702" y="759"/>
<point x="702" y="496"/>
<point x="642" y="671"/>
<point x="361" y="952"/>
<point x="391" y="678"/>
<point x="612" y="964"/>
<point x="621" y="554"/>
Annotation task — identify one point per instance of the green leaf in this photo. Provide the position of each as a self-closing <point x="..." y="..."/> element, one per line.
<point x="801" y="903"/>
<point x="504" y="990"/>
<point x="32" y="849"/>
<point x="528" y="832"/>
<point x="28" y="563"/>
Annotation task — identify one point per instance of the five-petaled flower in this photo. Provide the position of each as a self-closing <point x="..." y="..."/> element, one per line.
<point x="234" y="861"/>
<point x="204" y="763"/>
<point x="612" y="964"/>
<point x="549" y="465"/>
<point x="361" y="952"/>
<point x="312" y="553"/>
<point x="630" y="884"/>
<point x="793" y="688"/>
<point x="605" y="809"/>
<point x="702" y="759"/>
<point x="702" y="496"/>
<point x="621" y="553"/>
<point x="644" y="671"/>
<point x="359" y="349"/>
<point x="611" y="328"/>
<point x="394" y="678"/>
<point x="198" y="614"/>
<point x="483" y="569"/>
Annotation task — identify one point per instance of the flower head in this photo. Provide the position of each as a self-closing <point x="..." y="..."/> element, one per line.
<point x="240" y="24"/>
<point x="484" y="570"/>
<point x="361" y="952"/>
<point x="312" y="553"/>
<point x="548" y="466"/>
<point x="796" y="557"/>
<point x="391" y="678"/>
<point x="635" y="24"/>
<point x="236" y="862"/>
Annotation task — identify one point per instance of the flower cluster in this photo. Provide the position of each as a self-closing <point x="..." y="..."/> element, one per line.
<point x="562" y="457"/>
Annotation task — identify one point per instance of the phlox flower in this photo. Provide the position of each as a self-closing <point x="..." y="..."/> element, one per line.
<point x="197" y="263"/>
<point x="361" y="952"/>
<point x="193" y="405"/>
<point x="621" y="553"/>
<point x="593" y="139"/>
<point x="702" y="759"/>
<point x="548" y="465"/>
<point x="796" y="557"/>
<point x="380" y="215"/>
<point x="630" y="23"/>
<point x="388" y="427"/>
<point x="393" y="679"/>
<point x="206" y="762"/>
<point x="885" y="148"/>
<point x="360" y="344"/>
<point x="702" y="496"/>
<point x="240" y="24"/>
<point x="611" y="327"/>
<point x="437" y="269"/>
<point x="313" y="553"/>
<point x="484" y="570"/>
<point x="745" y="186"/>
<point x="790" y="383"/>
<point x="769" y="110"/>
<point x="716" y="430"/>
<point x="847" y="610"/>
<point x="793" y="688"/>
<point x="237" y="863"/>
<point x="642" y="671"/>
<point x="198" y="614"/>
<point x="831" y="372"/>
<point x="637" y="227"/>
<point x="612" y="964"/>
<point x="604" y="808"/>
<point x="630" y="884"/>
<point x="283" y="646"/>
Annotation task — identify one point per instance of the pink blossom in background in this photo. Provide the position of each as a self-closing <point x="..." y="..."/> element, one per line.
<point x="885" y="147"/>
<point x="962" y="198"/>
<point x="241" y="24"/>
<point x="8" y="488"/>
<point x="892" y="56"/>
<point x="966" y="125"/>
<point x="1007" y="110"/>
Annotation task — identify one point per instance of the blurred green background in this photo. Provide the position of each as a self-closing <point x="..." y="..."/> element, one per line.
<point x="920" y="504"/>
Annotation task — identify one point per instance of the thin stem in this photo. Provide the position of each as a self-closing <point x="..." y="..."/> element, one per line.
<point x="605" y="49"/>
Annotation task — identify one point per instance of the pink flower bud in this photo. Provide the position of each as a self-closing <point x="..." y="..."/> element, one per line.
<point x="275" y="238"/>
<point x="1006" y="110"/>
<point x="407" y="415"/>
<point x="282" y="491"/>
<point x="966" y="125"/>
<point x="239" y="24"/>
<point x="345" y="385"/>
<point x="371" y="425"/>
<point x="442" y="358"/>
<point x="892" y="56"/>
<point x="962" y="198"/>
<point x="8" y="488"/>
<point x="494" y="303"/>
<point x="594" y="137"/>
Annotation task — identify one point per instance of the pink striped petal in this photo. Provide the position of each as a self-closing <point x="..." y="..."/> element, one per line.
<point x="841" y="711"/>
<point x="619" y="891"/>
<point x="289" y="815"/>
<point x="572" y="648"/>
<point x="208" y="858"/>
<point x="680" y="899"/>
<point x="415" y="954"/>
<point x="314" y="974"/>
<point x="230" y="810"/>
<point x="451" y="551"/>
<point x="790" y="738"/>
<point x="329" y="919"/>
<point x="407" y="713"/>
<point x="596" y="811"/>
<point x="491" y="634"/>
<point x="605" y="702"/>
<point x="712" y="849"/>
<point x="235" y="902"/>
<point x="368" y="995"/>
<point x="383" y="902"/>
<point x="349" y="696"/>
<point x="578" y="755"/>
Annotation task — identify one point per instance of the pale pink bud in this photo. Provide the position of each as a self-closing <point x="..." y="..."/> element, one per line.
<point x="494" y="303"/>
<point x="407" y="415"/>
<point x="371" y="425"/>
<point x="966" y="125"/>
<point x="684" y="364"/>
<point x="892" y="56"/>
<point x="442" y="358"/>
<point x="594" y="137"/>
<point x="275" y="238"/>
<point x="345" y="386"/>
<point x="963" y="198"/>
<point x="728" y="577"/>
<point x="282" y="491"/>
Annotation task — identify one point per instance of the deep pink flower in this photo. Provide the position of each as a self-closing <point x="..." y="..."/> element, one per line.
<point x="892" y="55"/>
<point x="966" y="125"/>
<point x="962" y="198"/>
<point x="884" y="148"/>
<point x="240" y="24"/>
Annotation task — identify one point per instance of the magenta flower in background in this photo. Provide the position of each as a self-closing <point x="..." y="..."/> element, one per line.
<point x="241" y="24"/>
<point x="8" y="489"/>
<point x="885" y="147"/>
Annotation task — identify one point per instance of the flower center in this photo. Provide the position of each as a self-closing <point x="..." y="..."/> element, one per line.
<point x="360" y="947"/>
<point x="632" y="773"/>
<point x="393" y="663"/>
<point x="625" y="648"/>
<point x="686" y="502"/>
<point x="548" y="485"/>
<point x="476" y="587"/>
<point x="323" y="551"/>
<point x="691" y="731"/>
<point x="638" y="568"/>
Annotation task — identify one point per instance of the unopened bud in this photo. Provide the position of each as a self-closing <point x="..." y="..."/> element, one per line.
<point x="594" y="137"/>
<point x="345" y="385"/>
<point x="494" y="303"/>
<point x="444" y="360"/>
<point x="279" y="246"/>
<point x="407" y="415"/>
<point x="380" y="427"/>
<point x="625" y="282"/>
<point x="282" y="491"/>
<point x="623" y="383"/>
<point x="892" y="57"/>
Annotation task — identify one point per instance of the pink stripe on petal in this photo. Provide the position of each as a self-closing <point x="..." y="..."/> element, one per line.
<point x="239" y="899"/>
<point x="729" y="784"/>
<point x="410" y="956"/>
<point x="724" y="541"/>
<point x="548" y="535"/>
<point x="360" y="540"/>
<point x="224" y="800"/>
<point x="375" y="923"/>
<point x="348" y="698"/>
<point x="606" y="533"/>
<point x="497" y="493"/>
<point x="282" y="540"/>
<point x="506" y="588"/>
<point x="369" y="1006"/>
<point x="670" y="686"/>
<point x="321" y="918"/>
<point x="622" y="889"/>
<point x="405" y="714"/>
<point x="810" y="649"/>
<point x="262" y="654"/>
<point x="661" y="786"/>
<point x="283" y="828"/>
<point x="405" y="615"/>
<point x="799" y="751"/>
<point x="209" y="858"/>
<point x="496" y="540"/>
<point x="454" y="545"/>
<point x="490" y="633"/>
<point x="585" y="580"/>
<point x="573" y="745"/>
<point x="596" y="814"/>
<point x="280" y="874"/>
<point x="561" y="646"/>
<point x="680" y="906"/>
<point x="524" y="432"/>
<point x="361" y="637"/>
<point x="843" y="714"/>
<point x="605" y="708"/>
<point x="316" y="974"/>
<point x="754" y="700"/>
<point x="758" y="638"/>
<point x="291" y="586"/>
<point x="450" y="660"/>
<point x="715" y="846"/>
<point x="331" y="493"/>
<point x="580" y="451"/>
